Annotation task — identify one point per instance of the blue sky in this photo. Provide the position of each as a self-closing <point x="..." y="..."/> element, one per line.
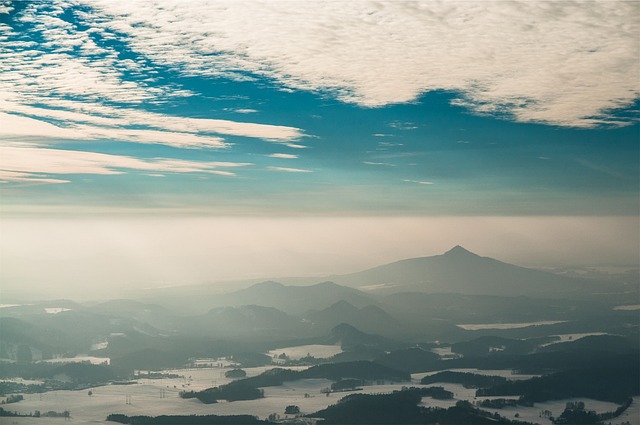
<point x="316" y="109"/>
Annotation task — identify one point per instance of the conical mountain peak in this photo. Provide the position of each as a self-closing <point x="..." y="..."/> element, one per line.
<point x="459" y="251"/>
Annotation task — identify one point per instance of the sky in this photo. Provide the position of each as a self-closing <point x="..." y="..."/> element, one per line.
<point x="167" y="142"/>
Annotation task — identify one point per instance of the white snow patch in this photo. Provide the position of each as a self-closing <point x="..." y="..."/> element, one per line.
<point x="477" y="327"/>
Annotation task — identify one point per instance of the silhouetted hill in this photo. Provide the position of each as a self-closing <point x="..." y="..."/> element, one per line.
<point x="461" y="271"/>
<point x="150" y="314"/>
<point x="248" y="319"/>
<point x="15" y="332"/>
<point x="294" y="299"/>
<point x="369" y="319"/>
<point x="351" y="338"/>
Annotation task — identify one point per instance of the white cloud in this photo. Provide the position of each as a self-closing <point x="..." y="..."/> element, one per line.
<point x="16" y="176"/>
<point x="295" y="146"/>
<point x="283" y="155"/>
<point x="564" y="63"/>
<point x="87" y="121"/>
<point x="20" y="163"/>
<point x="389" y="144"/>
<point x="15" y="126"/>
<point x="289" y="170"/>
<point x="5" y="7"/>
<point x="70" y="77"/>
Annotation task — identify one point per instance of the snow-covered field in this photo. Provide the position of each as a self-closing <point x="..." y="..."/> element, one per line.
<point x="201" y="378"/>
<point x="56" y="310"/>
<point x="160" y="397"/>
<point x="445" y="353"/>
<point x="631" y="307"/>
<point x="631" y="415"/>
<point x="23" y="381"/>
<point x="314" y="350"/>
<point x="80" y="359"/>
<point x="533" y="414"/>
<point x="482" y="326"/>
<point x="573" y="337"/>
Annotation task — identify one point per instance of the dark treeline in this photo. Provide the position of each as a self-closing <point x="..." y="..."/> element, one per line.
<point x="248" y="389"/>
<point x="231" y="392"/>
<point x="78" y="375"/>
<point x="607" y="382"/>
<point x="485" y="345"/>
<point x="575" y="413"/>
<point x="82" y="372"/>
<point x="363" y="370"/>
<point x="540" y="363"/>
<point x="411" y="360"/>
<point x="401" y="407"/>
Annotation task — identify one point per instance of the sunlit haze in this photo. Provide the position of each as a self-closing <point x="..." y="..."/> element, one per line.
<point x="105" y="256"/>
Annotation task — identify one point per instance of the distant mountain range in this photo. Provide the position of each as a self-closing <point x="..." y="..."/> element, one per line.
<point x="457" y="271"/>
<point x="368" y="313"/>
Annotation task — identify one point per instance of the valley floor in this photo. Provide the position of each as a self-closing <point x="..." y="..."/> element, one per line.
<point x="156" y="397"/>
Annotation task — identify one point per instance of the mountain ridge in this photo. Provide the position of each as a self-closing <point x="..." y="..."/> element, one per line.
<point x="459" y="270"/>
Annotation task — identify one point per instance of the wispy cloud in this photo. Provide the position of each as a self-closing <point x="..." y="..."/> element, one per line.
<point x="295" y="146"/>
<point x="19" y="163"/>
<point x="389" y="144"/>
<point x="16" y="176"/>
<point x="418" y="182"/>
<point x="600" y="168"/>
<point x="283" y="155"/>
<point x="378" y="163"/>
<point x="558" y="62"/>
<point x="404" y="126"/>
<point x="289" y="170"/>
<point x="88" y="121"/>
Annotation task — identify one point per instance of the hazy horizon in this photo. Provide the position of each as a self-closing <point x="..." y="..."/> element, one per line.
<point x="111" y="256"/>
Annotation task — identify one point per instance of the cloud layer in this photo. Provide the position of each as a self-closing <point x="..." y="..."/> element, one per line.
<point x="564" y="63"/>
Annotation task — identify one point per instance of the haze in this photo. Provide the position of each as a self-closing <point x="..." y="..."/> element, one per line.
<point x="89" y="257"/>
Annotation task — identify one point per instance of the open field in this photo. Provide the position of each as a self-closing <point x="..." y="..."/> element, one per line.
<point x="314" y="350"/>
<point x="483" y="326"/>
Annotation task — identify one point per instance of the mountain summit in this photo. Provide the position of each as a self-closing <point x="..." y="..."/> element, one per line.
<point x="459" y="251"/>
<point x="461" y="271"/>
